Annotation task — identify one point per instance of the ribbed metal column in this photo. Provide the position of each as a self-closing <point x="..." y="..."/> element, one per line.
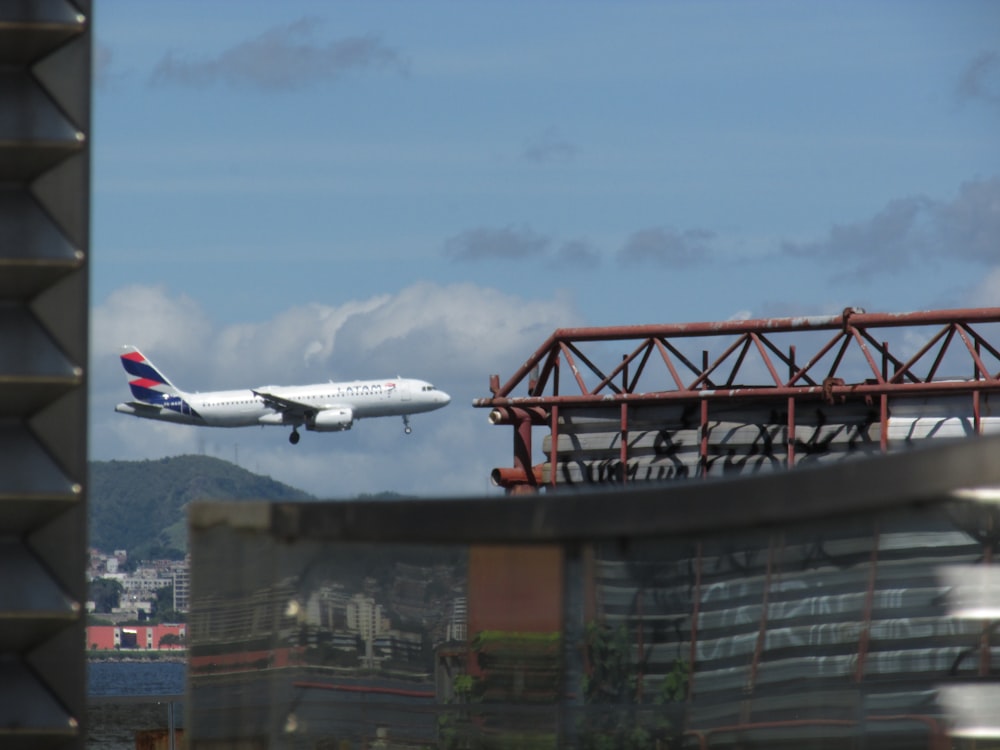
<point x="45" y="93"/>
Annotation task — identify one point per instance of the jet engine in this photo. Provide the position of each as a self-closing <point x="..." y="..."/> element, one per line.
<point x="331" y="420"/>
<point x="276" y="418"/>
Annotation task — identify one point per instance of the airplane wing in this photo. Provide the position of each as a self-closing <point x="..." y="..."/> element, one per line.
<point x="286" y="405"/>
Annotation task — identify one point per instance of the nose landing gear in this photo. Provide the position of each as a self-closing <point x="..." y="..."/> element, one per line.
<point x="294" y="437"/>
<point x="406" y="425"/>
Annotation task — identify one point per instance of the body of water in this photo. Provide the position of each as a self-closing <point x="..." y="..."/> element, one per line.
<point x="118" y="678"/>
<point x="129" y="699"/>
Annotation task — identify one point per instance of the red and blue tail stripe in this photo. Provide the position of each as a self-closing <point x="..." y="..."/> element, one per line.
<point x="150" y="386"/>
<point x="146" y="383"/>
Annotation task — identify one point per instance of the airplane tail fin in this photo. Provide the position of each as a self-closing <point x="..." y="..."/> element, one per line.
<point x="146" y="382"/>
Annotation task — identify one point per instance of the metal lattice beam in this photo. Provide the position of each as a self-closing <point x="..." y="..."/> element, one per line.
<point x="868" y="361"/>
<point x="853" y="333"/>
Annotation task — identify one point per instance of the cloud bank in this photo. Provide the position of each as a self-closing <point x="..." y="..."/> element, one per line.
<point x="483" y="244"/>
<point x="980" y="81"/>
<point x="549" y="147"/>
<point x="489" y="243"/>
<point x="668" y="247"/>
<point x="915" y="230"/>
<point x="281" y="58"/>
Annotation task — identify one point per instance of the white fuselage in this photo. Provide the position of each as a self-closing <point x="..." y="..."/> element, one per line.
<point x="358" y="399"/>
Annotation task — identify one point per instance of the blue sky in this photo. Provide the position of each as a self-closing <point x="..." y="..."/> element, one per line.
<point x="290" y="192"/>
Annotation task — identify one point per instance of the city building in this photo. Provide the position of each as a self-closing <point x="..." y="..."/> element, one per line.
<point x="137" y="637"/>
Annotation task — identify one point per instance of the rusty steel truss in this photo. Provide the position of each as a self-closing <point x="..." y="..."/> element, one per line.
<point x="785" y="362"/>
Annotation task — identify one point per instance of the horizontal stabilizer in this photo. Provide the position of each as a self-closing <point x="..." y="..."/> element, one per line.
<point x="138" y="407"/>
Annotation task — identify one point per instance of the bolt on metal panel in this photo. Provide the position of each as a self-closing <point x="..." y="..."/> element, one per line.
<point x="45" y="89"/>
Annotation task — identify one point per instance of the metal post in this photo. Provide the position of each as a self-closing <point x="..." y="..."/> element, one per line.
<point x="623" y="448"/>
<point x="554" y="447"/>
<point x="522" y="450"/>
<point x="170" y="726"/>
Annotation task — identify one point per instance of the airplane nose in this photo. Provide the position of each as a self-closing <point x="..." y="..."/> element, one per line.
<point x="444" y="397"/>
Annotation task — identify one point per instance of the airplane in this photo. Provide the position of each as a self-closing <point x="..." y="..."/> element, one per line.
<point x="320" y="407"/>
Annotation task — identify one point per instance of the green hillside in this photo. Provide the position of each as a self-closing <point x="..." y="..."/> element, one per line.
<point x="139" y="506"/>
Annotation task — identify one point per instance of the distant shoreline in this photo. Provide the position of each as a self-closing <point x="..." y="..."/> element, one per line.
<point x="152" y="656"/>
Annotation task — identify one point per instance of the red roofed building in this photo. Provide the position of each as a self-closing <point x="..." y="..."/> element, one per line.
<point x="139" y="637"/>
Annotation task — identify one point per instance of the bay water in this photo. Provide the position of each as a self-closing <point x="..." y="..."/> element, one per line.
<point x="127" y="699"/>
<point x="118" y="678"/>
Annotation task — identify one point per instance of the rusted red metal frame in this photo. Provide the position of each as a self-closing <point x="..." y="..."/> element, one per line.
<point x="665" y="347"/>
<point x="523" y="417"/>
<point x="849" y="327"/>
<point x="852" y="328"/>
<point x="834" y="392"/>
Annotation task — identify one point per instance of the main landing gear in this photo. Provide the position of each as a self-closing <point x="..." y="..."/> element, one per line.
<point x="406" y="425"/>
<point x="294" y="437"/>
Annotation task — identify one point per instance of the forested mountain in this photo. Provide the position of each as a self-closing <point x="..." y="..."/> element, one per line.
<point x="140" y="506"/>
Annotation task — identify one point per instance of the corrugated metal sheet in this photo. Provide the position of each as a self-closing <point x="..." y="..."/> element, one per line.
<point x="665" y="442"/>
<point x="861" y="612"/>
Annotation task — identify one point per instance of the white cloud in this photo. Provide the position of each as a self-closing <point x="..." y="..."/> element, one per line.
<point x="456" y="336"/>
<point x="298" y="339"/>
<point x="461" y="330"/>
<point x="150" y="317"/>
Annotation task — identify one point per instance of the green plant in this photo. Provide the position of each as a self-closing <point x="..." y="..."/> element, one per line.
<point x="675" y="685"/>
<point x="615" y="720"/>
<point x="462" y="687"/>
